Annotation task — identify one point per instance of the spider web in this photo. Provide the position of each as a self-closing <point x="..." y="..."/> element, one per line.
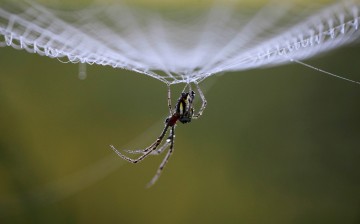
<point x="180" y="46"/>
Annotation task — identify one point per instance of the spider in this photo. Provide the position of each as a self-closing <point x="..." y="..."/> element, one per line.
<point x="183" y="112"/>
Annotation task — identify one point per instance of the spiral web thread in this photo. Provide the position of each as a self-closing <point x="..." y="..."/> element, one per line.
<point x="187" y="47"/>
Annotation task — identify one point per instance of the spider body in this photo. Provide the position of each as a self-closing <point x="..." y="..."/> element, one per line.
<point x="183" y="112"/>
<point x="184" y="107"/>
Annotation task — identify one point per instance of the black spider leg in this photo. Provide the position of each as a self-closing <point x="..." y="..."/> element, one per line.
<point x="146" y="151"/>
<point x="166" y="158"/>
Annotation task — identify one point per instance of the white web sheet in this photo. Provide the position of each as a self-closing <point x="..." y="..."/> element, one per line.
<point x="184" y="46"/>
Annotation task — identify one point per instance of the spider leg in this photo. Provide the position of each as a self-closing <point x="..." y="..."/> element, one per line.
<point x="185" y="87"/>
<point x="155" y="152"/>
<point x="191" y="101"/>
<point x="165" y="160"/>
<point x="138" y="151"/>
<point x="169" y="100"/>
<point x="163" y="147"/>
<point x="146" y="151"/>
<point x="204" y="102"/>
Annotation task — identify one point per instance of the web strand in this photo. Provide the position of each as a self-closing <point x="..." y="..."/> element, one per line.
<point x="323" y="71"/>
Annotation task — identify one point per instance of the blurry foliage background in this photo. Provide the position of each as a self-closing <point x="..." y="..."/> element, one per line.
<point x="275" y="145"/>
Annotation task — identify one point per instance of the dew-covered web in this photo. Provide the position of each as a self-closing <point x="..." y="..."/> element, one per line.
<point x="180" y="46"/>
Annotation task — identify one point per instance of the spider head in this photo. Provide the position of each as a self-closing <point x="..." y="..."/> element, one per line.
<point x="184" y="107"/>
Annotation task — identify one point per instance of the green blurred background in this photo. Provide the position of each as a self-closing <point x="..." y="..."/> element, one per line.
<point x="275" y="145"/>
